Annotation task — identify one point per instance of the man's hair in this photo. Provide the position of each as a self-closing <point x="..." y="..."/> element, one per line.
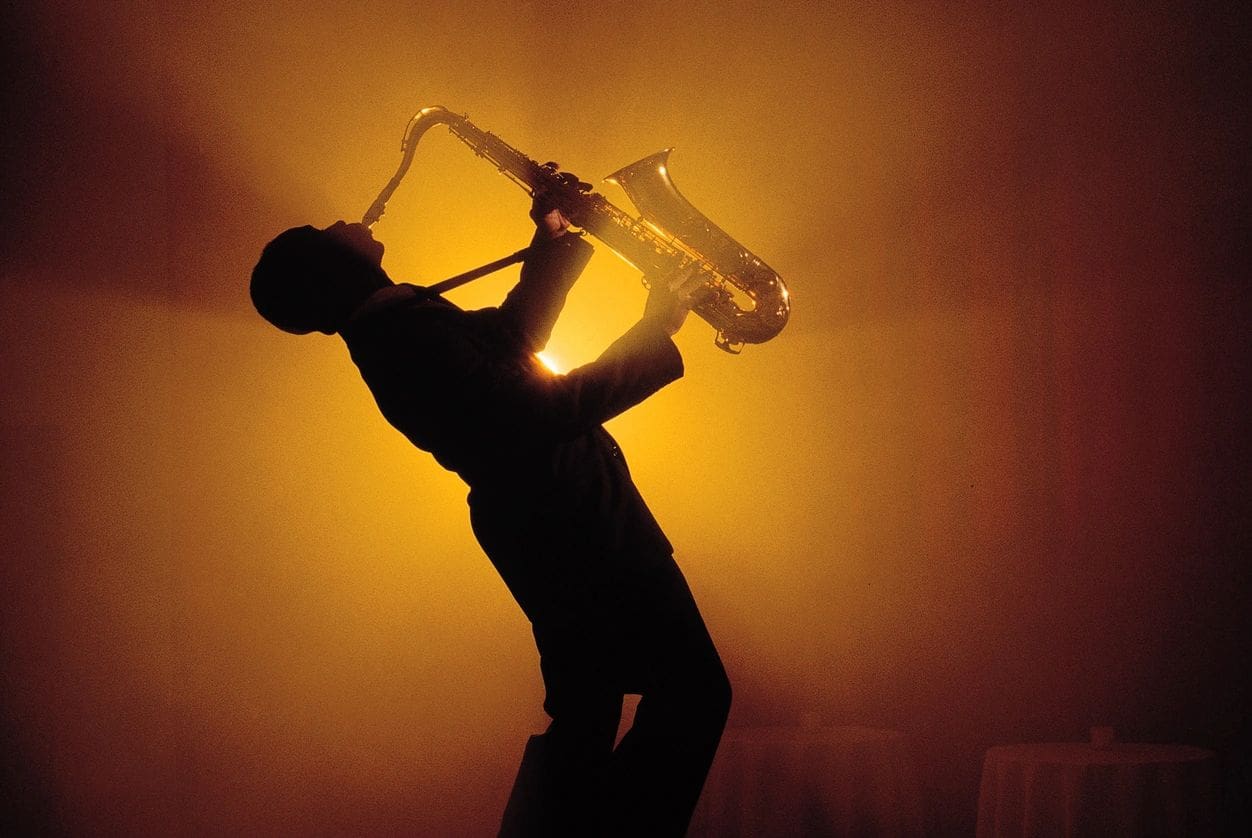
<point x="288" y="281"/>
<point x="309" y="280"/>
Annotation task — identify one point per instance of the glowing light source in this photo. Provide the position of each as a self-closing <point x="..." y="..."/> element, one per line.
<point x="549" y="362"/>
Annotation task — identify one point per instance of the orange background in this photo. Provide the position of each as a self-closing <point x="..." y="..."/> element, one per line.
<point x="990" y="485"/>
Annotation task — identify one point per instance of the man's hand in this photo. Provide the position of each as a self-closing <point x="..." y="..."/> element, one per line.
<point x="670" y="299"/>
<point x="549" y="220"/>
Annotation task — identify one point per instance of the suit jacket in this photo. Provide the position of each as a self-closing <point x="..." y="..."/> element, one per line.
<point x="551" y="498"/>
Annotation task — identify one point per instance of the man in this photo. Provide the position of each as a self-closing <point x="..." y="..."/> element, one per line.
<point x="552" y="504"/>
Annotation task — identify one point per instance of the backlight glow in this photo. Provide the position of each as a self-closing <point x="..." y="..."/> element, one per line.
<point x="549" y="362"/>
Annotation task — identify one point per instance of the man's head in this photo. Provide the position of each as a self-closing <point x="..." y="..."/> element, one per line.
<point x="310" y="280"/>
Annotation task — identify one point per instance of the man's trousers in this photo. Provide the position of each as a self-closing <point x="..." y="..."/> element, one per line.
<point x="638" y="631"/>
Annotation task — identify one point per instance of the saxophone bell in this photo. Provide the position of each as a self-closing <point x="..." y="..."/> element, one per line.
<point x="749" y="303"/>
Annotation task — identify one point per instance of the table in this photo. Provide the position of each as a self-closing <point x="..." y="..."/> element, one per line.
<point x="1073" y="789"/>
<point x="810" y="781"/>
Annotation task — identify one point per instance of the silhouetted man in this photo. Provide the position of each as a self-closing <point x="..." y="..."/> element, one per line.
<point x="552" y="504"/>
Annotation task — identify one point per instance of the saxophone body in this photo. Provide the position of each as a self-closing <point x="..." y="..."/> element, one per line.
<point x="744" y="299"/>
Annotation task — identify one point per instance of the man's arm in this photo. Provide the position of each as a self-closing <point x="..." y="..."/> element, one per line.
<point x="480" y="395"/>
<point x="531" y="308"/>
<point x="635" y="366"/>
<point x="551" y="267"/>
<point x="501" y="399"/>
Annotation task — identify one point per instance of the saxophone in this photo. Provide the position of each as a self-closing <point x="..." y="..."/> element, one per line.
<point x="742" y="297"/>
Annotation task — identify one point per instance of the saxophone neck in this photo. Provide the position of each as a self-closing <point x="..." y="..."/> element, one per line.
<point x="422" y="121"/>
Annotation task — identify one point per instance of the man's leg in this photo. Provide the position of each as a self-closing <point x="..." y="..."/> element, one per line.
<point x="660" y="766"/>
<point x="561" y="787"/>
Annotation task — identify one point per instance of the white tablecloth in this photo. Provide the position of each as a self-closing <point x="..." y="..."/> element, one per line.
<point x="1071" y="789"/>
<point x="810" y="781"/>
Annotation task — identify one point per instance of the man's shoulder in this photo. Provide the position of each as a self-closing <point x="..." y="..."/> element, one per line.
<point x="430" y="332"/>
<point x="401" y="306"/>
